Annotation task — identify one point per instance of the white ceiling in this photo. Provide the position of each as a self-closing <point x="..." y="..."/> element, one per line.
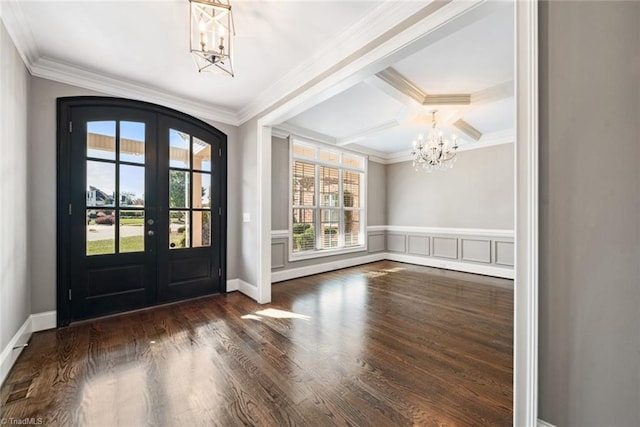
<point x="146" y="42"/>
<point x="477" y="60"/>
<point x="139" y="49"/>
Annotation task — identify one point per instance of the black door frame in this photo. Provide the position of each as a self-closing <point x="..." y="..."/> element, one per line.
<point x="63" y="196"/>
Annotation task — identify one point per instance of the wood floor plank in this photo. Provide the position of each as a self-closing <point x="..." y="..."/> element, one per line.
<point x="383" y="344"/>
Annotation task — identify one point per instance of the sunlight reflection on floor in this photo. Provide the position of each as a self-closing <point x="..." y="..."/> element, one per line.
<point x="276" y="314"/>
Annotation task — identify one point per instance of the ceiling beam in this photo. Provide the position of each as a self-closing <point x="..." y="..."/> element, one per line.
<point x="399" y="82"/>
<point x="447" y="99"/>
<point x="362" y="134"/>
<point x="468" y="130"/>
<point x="402" y="84"/>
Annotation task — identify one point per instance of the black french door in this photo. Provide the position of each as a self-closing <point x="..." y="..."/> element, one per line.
<point x="141" y="195"/>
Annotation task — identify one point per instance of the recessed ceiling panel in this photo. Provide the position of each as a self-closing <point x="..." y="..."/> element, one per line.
<point x="356" y="110"/>
<point x="474" y="58"/>
<point x="493" y="117"/>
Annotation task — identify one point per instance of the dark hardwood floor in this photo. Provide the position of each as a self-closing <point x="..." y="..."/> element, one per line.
<point x="384" y="344"/>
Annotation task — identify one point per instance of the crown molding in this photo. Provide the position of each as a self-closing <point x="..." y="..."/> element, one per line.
<point x="487" y="140"/>
<point x="381" y="19"/>
<point x="39" y="66"/>
<point x="279" y="133"/>
<point x="286" y="130"/>
<point x="64" y="73"/>
<point x="20" y="31"/>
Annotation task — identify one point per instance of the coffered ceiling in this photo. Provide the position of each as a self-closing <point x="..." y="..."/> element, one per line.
<point x="467" y="77"/>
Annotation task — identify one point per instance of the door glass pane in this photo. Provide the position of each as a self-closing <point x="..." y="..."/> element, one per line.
<point x="201" y="228"/>
<point x="304" y="237"/>
<point x="131" y="231"/>
<point x="132" y="142"/>
<point x="101" y="182"/>
<point x="178" y="149"/>
<point x="201" y="190"/>
<point x="179" y="229"/>
<point x="329" y="191"/>
<point x="178" y="189"/>
<point x="101" y="140"/>
<point x="131" y="185"/>
<point x="201" y="155"/>
<point x="329" y="224"/>
<point x="304" y="182"/>
<point x="101" y="235"/>
<point x="351" y="228"/>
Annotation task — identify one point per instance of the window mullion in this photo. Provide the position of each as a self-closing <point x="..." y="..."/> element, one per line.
<point x="318" y="209"/>
<point x="341" y="225"/>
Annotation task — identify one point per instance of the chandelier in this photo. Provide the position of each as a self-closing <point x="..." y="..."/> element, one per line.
<point x="211" y="31"/>
<point x="434" y="153"/>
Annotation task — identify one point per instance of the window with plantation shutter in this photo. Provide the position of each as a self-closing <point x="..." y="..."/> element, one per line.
<point x="327" y="200"/>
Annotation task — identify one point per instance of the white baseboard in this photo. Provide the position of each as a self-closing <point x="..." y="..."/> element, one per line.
<point x="34" y="323"/>
<point x="248" y="289"/>
<point x="294" y="273"/>
<point x="544" y="423"/>
<point x="233" y="285"/>
<point x="43" y="321"/>
<point x="9" y="353"/>
<point x="487" y="270"/>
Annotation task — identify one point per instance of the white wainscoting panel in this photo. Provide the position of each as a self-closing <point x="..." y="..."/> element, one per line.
<point x="475" y="250"/>
<point x="376" y="242"/>
<point x="396" y="242"/>
<point x="278" y="254"/>
<point x="419" y="245"/>
<point x="444" y="247"/>
<point x="503" y="252"/>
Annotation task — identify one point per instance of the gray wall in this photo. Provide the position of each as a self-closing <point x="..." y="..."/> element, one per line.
<point x="279" y="183"/>
<point x="15" y="298"/>
<point x="589" y="356"/>
<point x="42" y="190"/>
<point x="248" y="198"/>
<point x="376" y="188"/>
<point x="376" y="194"/>
<point x="477" y="193"/>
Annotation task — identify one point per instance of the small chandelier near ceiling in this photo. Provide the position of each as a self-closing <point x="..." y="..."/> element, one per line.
<point x="211" y="31"/>
<point x="434" y="153"/>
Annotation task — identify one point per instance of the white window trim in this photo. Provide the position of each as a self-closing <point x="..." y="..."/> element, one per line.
<point x="321" y="253"/>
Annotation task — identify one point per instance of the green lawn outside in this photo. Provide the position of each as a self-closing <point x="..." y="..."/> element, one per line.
<point x="131" y="221"/>
<point x="127" y="244"/>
